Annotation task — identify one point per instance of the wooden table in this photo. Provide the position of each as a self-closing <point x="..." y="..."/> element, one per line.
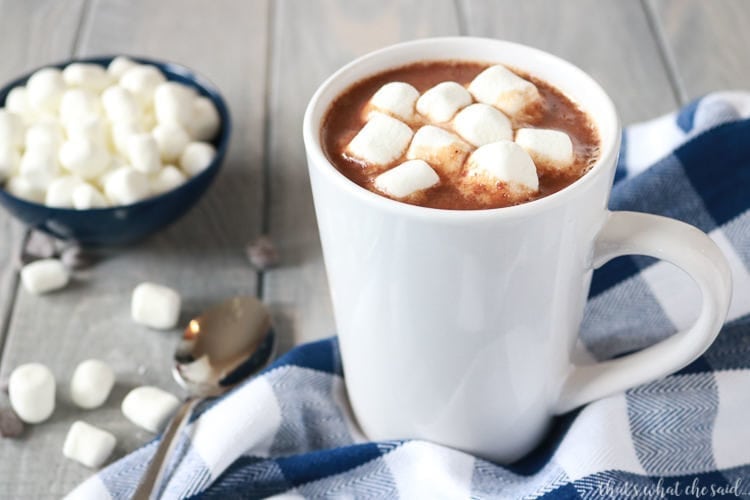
<point x="267" y="57"/>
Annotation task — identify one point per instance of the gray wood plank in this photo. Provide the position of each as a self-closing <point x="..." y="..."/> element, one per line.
<point x="313" y="39"/>
<point x="707" y="41"/>
<point x="609" y="39"/>
<point x="201" y="255"/>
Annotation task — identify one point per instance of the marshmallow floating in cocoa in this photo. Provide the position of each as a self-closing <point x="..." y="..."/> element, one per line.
<point x="381" y="141"/>
<point x="406" y="179"/>
<point x="548" y="148"/>
<point x="480" y="124"/>
<point x="396" y="99"/>
<point x="506" y="162"/>
<point x="441" y="102"/>
<point x="443" y="150"/>
<point x="500" y="87"/>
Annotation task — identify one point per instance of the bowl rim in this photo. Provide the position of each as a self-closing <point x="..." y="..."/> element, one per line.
<point x="206" y="88"/>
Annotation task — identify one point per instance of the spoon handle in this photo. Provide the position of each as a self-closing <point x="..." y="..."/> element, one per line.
<point x="151" y="480"/>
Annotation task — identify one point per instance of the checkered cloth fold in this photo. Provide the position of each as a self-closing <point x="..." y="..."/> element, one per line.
<point x="289" y="431"/>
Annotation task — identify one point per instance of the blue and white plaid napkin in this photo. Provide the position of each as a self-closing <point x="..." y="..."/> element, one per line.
<point x="289" y="432"/>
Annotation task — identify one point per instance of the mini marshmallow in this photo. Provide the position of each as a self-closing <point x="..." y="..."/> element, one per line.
<point x="443" y="150"/>
<point x="86" y="196"/>
<point x="86" y="76"/>
<point x="44" y="275"/>
<point x="17" y="102"/>
<point x="481" y="124"/>
<point x="171" y="139"/>
<point x="21" y="187"/>
<point x="155" y="306"/>
<point x="149" y="407"/>
<point x="126" y="185"/>
<point x="443" y="101"/>
<point x="196" y="157"/>
<point x="120" y="105"/>
<point x="407" y="178"/>
<point x="500" y="87"/>
<point x="119" y="66"/>
<point x="60" y="191"/>
<point x="167" y="179"/>
<point x="173" y="103"/>
<point x="548" y="148"/>
<point x="11" y="129"/>
<point x="31" y="390"/>
<point x="88" y="445"/>
<point x="46" y="135"/>
<point x="503" y="161"/>
<point x="396" y="99"/>
<point x="44" y="89"/>
<point x="381" y="141"/>
<point x="121" y="132"/>
<point x="9" y="161"/>
<point x="143" y="153"/>
<point x="83" y="157"/>
<point x="39" y="167"/>
<point x="78" y="104"/>
<point x="205" y="121"/>
<point x="141" y="81"/>
<point x="91" y="383"/>
<point x="90" y="129"/>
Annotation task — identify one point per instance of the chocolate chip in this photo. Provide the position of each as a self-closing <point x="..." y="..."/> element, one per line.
<point x="262" y="253"/>
<point x="10" y="425"/>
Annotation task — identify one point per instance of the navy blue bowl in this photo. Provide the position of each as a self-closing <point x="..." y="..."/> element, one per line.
<point x="125" y="224"/>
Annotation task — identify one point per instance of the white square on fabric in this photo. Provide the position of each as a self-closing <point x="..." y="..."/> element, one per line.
<point x="644" y="145"/>
<point x="731" y="435"/>
<point x="599" y="440"/>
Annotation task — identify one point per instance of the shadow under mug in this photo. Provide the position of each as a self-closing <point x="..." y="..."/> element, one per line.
<point x="458" y="327"/>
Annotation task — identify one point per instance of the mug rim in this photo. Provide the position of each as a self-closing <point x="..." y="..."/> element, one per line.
<point x="317" y="159"/>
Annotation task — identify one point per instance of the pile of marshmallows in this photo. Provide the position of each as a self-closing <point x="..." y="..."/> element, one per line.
<point x="462" y="123"/>
<point x="31" y="387"/>
<point x="92" y="137"/>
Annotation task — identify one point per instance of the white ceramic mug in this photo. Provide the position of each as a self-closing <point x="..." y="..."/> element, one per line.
<point x="458" y="327"/>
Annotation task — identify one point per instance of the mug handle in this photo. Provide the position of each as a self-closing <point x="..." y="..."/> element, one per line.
<point x="633" y="233"/>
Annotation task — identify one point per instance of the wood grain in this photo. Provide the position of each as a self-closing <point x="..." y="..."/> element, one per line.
<point x="707" y="42"/>
<point x="312" y="40"/>
<point x="201" y="255"/>
<point x="609" y="39"/>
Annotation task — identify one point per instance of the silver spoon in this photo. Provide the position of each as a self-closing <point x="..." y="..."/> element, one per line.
<point x="220" y="348"/>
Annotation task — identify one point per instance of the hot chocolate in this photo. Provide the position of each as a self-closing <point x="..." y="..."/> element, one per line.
<point x="458" y="135"/>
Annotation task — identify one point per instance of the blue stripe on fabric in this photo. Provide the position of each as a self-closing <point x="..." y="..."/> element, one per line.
<point x="322" y="355"/>
<point x="565" y="492"/>
<point x="542" y="454"/>
<point x="300" y="469"/>
<point x="731" y="349"/>
<point x="611" y="273"/>
<point x="686" y="116"/>
<point x="247" y="478"/>
<point x="717" y="164"/>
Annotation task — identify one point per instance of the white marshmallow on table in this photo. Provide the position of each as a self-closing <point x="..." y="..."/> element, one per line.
<point x="205" y="121"/>
<point x="87" y="76"/>
<point x="196" y="157"/>
<point x="441" y="102"/>
<point x="548" y="148"/>
<point x="167" y="179"/>
<point x="11" y="129"/>
<point x="407" y="178"/>
<point x="121" y="132"/>
<point x="83" y="157"/>
<point x="120" y="105"/>
<point x="88" y="445"/>
<point x="171" y="139"/>
<point x="78" y="104"/>
<point x="9" y="162"/>
<point x="173" y="103"/>
<point x="46" y="135"/>
<point x="17" y="101"/>
<point x="60" y="191"/>
<point x="91" y="383"/>
<point x="141" y="81"/>
<point x="31" y="390"/>
<point x="44" y="275"/>
<point x="119" y="65"/>
<point x="44" y="89"/>
<point x="503" y="161"/>
<point x="480" y="124"/>
<point x="500" y="87"/>
<point x="86" y="196"/>
<point x="381" y="141"/>
<point x="39" y="167"/>
<point x="443" y="150"/>
<point x="155" y="306"/>
<point x="143" y="153"/>
<point x="126" y="185"/>
<point x="21" y="187"/>
<point x="396" y="99"/>
<point x="149" y="407"/>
